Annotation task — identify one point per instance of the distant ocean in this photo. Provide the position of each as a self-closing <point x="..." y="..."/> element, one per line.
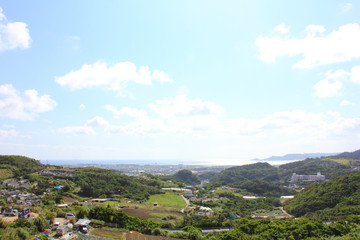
<point x="137" y="162"/>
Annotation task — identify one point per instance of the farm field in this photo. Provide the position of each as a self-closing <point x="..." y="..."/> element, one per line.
<point x="156" y="214"/>
<point x="114" y="233"/>
<point x="168" y="199"/>
<point x="167" y="209"/>
<point x="108" y="233"/>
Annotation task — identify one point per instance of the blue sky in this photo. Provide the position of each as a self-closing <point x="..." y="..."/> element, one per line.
<point x="217" y="82"/>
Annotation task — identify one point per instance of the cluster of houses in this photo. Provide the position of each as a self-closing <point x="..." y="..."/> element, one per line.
<point x="23" y="199"/>
<point x="57" y="173"/>
<point x="17" y="183"/>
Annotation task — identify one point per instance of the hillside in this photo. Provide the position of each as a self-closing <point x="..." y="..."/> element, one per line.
<point x="95" y="182"/>
<point x="86" y="182"/>
<point x="338" y="197"/>
<point x="18" y="166"/>
<point x="269" y="178"/>
<point x="352" y="155"/>
<point x="296" y="156"/>
<point x="187" y="177"/>
<point x="240" y="174"/>
<point x="329" y="168"/>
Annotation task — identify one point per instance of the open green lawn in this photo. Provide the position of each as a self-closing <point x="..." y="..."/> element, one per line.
<point x="344" y="161"/>
<point x="169" y="199"/>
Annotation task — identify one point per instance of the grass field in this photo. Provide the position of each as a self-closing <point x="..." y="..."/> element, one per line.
<point x="108" y="233"/>
<point x="168" y="199"/>
<point x="344" y="161"/>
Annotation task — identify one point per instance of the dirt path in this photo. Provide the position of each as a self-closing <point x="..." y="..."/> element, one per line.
<point x="187" y="204"/>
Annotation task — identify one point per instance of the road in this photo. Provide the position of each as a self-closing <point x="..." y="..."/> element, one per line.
<point x="187" y="203"/>
<point x="204" y="230"/>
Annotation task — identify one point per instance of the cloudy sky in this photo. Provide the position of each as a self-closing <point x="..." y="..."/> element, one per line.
<point x="192" y="81"/>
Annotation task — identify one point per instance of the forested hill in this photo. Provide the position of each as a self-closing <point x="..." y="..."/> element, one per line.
<point x="95" y="182"/>
<point x="187" y="176"/>
<point x="353" y="155"/>
<point x="17" y="166"/>
<point x="331" y="167"/>
<point x="327" y="167"/>
<point x="240" y="174"/>
<point x="335" y="198"/>
<point x="86" y="182"/>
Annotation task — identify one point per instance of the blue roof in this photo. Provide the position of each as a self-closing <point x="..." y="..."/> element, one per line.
<point x="60" y="186"/>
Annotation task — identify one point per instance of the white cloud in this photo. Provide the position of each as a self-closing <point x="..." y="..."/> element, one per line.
<point x="355" y="74"/>
<point x="347" y="103"/>
<point x="299" y="125"/>
<point x="126" y="111"/>
<point x="313" y="30"/>
<point x="346" y="7"/>
<point x="340" y="45"/>
<point x="97" y="121"/>
<point x="82" y="106"/>
<point x="114" y="77"/>
<point x="281" y="28"/>
<point x="161" y="76"/>
<point x="23" y="106"/>
<point x="181" y="106"/>
<point x="2" y="15"/>
<point x="8" y="133"/>
<point x="326" y="88"/>
<point x="145" y="126"/>
<point x="13" y="34"/>
<point x="77" y="130"/>
<point x="331" y="86"/>
<point x="338" y="75"/>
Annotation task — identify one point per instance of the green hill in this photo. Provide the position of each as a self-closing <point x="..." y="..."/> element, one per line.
<point x="335" y="198"/>
<point x="187" y="177"/>
<point x="240" y="174"/>
<point x="96" y="182"/>
<point x="89" y="182"/>
<point x="18" y="166"/>
<point x="352" y="155"/>
<point x="327" y="167"/>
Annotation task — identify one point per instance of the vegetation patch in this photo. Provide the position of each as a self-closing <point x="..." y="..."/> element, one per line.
<point x="168" y="199"/>
<point x="140" y="213"/>
<point x="113" y="233"/>
<point x="5" y="174"/>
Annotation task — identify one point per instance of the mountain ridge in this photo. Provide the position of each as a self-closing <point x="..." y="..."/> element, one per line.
<point x="295" y="156"/>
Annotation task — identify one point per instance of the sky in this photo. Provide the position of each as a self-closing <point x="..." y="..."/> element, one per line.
<point x="218" y="82"/>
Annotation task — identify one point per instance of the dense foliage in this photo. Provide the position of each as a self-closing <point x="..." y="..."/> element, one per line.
<point x="297" y="229"/>
<point x="187" y="177"/>
<point x="339" y="197"/>
<point x="240" y="174"/>
<point x="96" y="182"/>
<point x="19" y="166"/>
<point x="352" y="155"/>
<point x="264" y="188"/>
<point x="328" y="168"/>
<point x="121" y="219"/>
